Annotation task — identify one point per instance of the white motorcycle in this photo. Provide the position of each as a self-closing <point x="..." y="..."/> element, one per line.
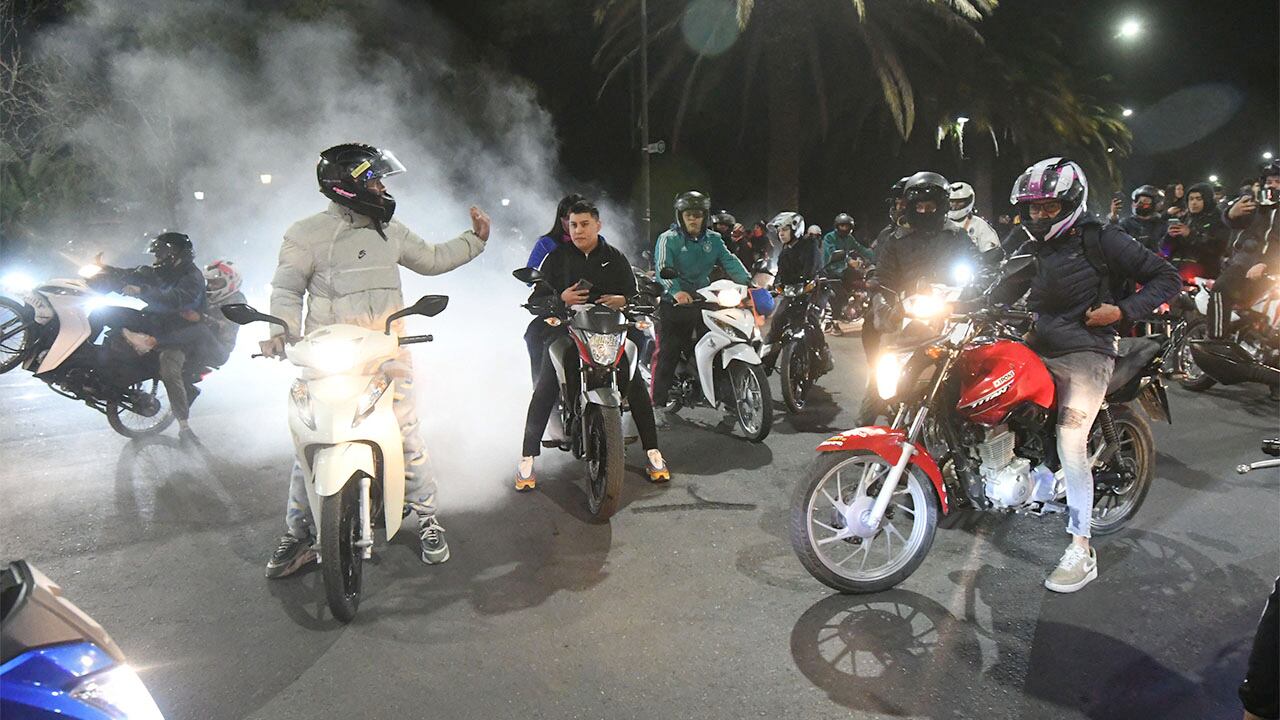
<point x="347" y="438"/>
<point x="50" y="333"/>
<point x="726" y="368"/>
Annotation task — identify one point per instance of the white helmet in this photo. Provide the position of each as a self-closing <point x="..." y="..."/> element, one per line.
<point x="961" y="191"/>
<point x="793" y="220"/>
<point x="221" y="280"/>
<point x="814" y="230"/>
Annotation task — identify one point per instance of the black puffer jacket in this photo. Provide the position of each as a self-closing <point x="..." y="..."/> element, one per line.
<point x="1150" y="232"/>
<point x="800" y="261"/>
<point x="907" y="258"/>
<point x="1259" y="238"/>
<point x="1066" y="285"/>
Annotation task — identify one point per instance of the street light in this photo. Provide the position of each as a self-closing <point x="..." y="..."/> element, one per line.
<point x="1127" y="112"/>
<point x="265" y="178"/>
<point x="506" y="202"/>
<point x="1129" y="29"/>
<point x="1267" y="155"/>
<point x="1213" y="178"/>
<point x="199" y="194"/>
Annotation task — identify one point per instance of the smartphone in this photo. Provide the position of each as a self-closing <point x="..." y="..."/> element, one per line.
<point x="1118" y="196"/>
<point x="584" y="284"/>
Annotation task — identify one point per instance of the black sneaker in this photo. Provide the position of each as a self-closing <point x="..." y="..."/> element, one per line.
<point x="291" y="554"/>
<point x="434" y="549"/>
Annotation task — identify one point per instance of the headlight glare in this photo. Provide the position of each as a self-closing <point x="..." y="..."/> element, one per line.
<point x="301" y="397"/>
<point x="923" y="306"/>
<point x="604" y="347"/>
<point x="888" y="373"/>
<point x="118" y="692"/>
<point x="369" y="398"/>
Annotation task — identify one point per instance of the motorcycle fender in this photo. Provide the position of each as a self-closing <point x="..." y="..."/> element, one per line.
<point x="333" y="466"/>
<point x="605" y="396"/>
<point x="73" y="331"/>
<point x="887" y="443"/>
<point x="741" y="351"/>
<point x="1155" y="402"/>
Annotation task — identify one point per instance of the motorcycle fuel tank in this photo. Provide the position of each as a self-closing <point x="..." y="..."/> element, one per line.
<point x="997" y="377"/>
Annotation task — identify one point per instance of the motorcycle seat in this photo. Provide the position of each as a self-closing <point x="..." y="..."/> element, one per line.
<point x="1135" y="354"/>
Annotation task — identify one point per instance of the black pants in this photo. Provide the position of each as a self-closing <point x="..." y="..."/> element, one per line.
<point x="535" y="340"/>
<point x="850" y="280"/>
<point x="677" y="333"/>
<point x="547" y="390"/>
<point x="1259" y="691"/>
<point x="1231" y="289"/>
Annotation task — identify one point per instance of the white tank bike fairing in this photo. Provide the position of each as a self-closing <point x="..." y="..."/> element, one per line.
<point x="347" y="438"/>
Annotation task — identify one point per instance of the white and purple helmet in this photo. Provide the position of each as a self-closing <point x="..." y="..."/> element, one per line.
<point x="1052" y="179"/>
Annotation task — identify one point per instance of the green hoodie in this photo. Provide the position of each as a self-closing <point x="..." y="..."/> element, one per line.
<point x="694" y="259"/>
<point x="832" y="241"/>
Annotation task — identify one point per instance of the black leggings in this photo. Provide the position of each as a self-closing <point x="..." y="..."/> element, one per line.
<point x="547" y="391"/>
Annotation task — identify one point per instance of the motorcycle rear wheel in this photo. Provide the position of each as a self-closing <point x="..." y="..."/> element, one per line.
<point x="1137" y="453"/>
<point x="1195" y="379"/>
<point x="13" y="349"/>
<point x="794" y="361"/>
<point x="752" y="400"/>
<point x="605" y="461"/>
<point x="814" y="510"/>
<point x="134" y="421"/>
<point x="342" y="561"/>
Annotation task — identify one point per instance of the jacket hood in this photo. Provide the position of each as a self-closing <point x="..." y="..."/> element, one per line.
<point x="1206" y="192"/>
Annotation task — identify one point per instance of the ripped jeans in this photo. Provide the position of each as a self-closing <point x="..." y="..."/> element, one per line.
<point x="1081" y="379"/>
<point x="419" y="483"/>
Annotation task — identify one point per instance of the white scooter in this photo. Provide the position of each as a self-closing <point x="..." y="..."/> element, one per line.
<point x="347" y="438"/>
<point x="726" y="369"/>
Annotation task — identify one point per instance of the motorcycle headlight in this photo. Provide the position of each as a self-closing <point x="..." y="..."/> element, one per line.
<point x="119" y="693"/>
<point x="962" y="273"/>
<point x="888" y="372"/>
<point x="89" y="271"/>
<point x="729" y="297"/>
<point x="604" y="347"/>
<point x="338" y="356"/>
<point x="369" y="398"/>
<point x="923" y="307"/>
<point x="301" y="397"/>
<point x="17" y="282"/>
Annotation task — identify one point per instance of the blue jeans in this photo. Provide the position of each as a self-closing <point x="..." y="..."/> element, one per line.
<point x="1081" y="379"/>
<point x="419" y="483"/>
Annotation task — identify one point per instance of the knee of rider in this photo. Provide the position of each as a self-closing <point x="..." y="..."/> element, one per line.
<point x="1072" y="430"/>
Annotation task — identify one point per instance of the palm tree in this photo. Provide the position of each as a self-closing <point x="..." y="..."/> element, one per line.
<point x="839" y="60"/>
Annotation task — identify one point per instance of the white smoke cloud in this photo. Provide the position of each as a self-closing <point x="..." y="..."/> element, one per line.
<point x="185" y="114"/>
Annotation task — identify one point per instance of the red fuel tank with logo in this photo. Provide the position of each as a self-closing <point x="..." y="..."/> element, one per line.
<point x="997" y="377"/>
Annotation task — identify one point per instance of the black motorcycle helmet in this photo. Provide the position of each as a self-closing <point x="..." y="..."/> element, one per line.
<point x="691" y="200"/>
<point x="1149" y="191"/>
<point x="891" y="200"/>
<point x="843" y="219"/>
<point x="171" y="249"/>
<point x="344" y="171"/>
<point x="724" y="218"/>
<point x="924" y="187"/>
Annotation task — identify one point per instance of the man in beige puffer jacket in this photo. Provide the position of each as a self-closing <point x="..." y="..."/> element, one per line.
<point x="345" y="261"/>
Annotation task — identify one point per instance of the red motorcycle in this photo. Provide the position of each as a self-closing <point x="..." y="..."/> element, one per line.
<point x="974" y="430"/>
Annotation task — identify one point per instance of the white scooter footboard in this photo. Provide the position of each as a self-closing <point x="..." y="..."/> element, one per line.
<point x="334" y="465"/>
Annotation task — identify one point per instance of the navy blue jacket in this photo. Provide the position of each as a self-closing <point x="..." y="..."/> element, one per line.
<point x="1066" y="285"/>
<point x="1151" y="232"/>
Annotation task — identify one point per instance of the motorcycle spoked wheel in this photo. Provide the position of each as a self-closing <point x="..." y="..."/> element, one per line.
<point x="605" y="461"/>
<point x="146" y="413"/>
<point x="834" y="481"/>
<point x="1195" y="379"/>
<point x="15" y="334"/>
<point x="1114" y="506"/>
<point x="752" y="400"/>
<point x="796" y="377"/>
<point x="343" y="560"/>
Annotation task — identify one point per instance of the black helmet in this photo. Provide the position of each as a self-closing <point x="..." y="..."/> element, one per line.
<point x="344" y="170"/>
<point x="927" y="186"/>
<point x="842" y="219"/>
<point x="170" y="249"/>
<point x="691" y="200"/>
<point x="1151" y="191"/>
<point x="724" y="218"/>
<point x="895" y="194"/>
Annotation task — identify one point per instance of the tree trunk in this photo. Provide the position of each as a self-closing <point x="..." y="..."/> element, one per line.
<point x="783" y="78"/>
<point x="982" y="159"/>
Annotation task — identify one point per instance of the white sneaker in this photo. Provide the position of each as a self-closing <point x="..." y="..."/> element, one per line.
<point x="1076" y="569"/>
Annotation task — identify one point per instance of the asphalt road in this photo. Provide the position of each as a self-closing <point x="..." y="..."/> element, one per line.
<point x="689" y="604"/>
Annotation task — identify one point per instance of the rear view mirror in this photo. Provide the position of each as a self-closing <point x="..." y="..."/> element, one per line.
<point x="427" y="306"/>
<point x="838" y="256"/>
<point x="649" y="287"/>
<point x="242" y="314"/>
<point x="528" y="275"/>
<point x="669" y="273"/>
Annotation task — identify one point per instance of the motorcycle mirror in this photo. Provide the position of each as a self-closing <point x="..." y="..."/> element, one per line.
<point x="649" y="287"/>
<point x="242" y="314"/>
<point x="427" y="306"/>
<point x="1016" y="264"/>
<point x="838" y="256"/>
<point x="528" y="275"/>
<point x="669" y="273"/>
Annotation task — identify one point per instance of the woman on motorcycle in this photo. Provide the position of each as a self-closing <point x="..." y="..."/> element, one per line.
<point x="535" y="336"/>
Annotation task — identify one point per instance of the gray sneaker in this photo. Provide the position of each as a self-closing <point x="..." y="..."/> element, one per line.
<point x="1076" y="569"/>
<point x="291" y="554"/>
<point x="434" y="549"/>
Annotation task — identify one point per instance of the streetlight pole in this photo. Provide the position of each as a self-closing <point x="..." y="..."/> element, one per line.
<point x="644" y="118"/>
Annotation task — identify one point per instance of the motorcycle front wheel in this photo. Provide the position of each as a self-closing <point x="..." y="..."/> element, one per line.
<point x="752" y="400"/>
<point x="142" y="410"/>
<point x="796" y="381"/>
<point x="341" y="559"/>
<point x="849" y="563"/>
<point x="15" y="334"/>
<point x="1114" y="505"/>
<point x="1194" y="378"/>
<point x="605" y="469"/>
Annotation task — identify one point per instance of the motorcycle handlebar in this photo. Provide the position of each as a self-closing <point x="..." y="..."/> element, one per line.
<point x="411" y="339"/>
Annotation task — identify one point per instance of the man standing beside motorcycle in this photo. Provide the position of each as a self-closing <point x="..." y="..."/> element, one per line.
<point x="174" y="290"/>
<point x="345" y="261"/>
<point x="925" y="248"/>
<point x="586" y="270"/>
<point x="1082" y="270"/>
<point x="1256" y="251"/>
<point x="693" y="251"/>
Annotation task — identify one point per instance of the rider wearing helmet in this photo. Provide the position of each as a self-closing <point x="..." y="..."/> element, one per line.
<point x="345" y="263"/>
<point x="222" y="287"/>
<point x="693" y="252"/>
<point x="723" y="222"/>
<point x="1077" y="293"/>
<point x="799" y="263"/>
<point x="849" y="269"/>
<point x="1146" y="224"/>
<point x="962" y="213"/>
